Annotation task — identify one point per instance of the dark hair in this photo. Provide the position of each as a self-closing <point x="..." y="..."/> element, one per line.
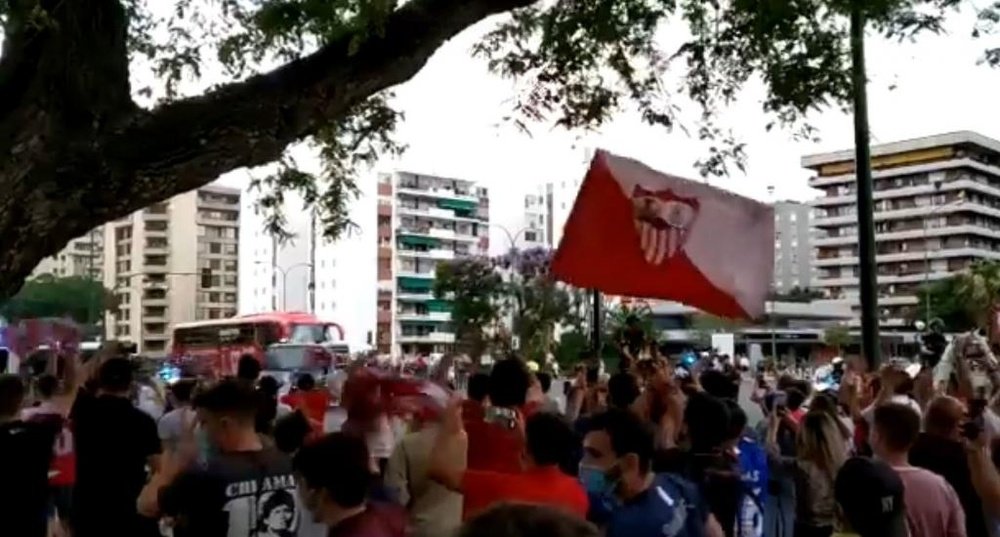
<point x="115" y="375"/>
<point x="478" y="387"/>
<point x="785" y="382"/>
<point x="526" y="520"/>
<point x="898" y="426"/>
<point x="719" y="384"/>
<point x="545" y="381"/>
<point x="47" y="385"/>
<point x="628" y="433"/>
<point x="593" y="374"/>
<point x="737" y="419"/>
<point x="305" y="382"/>
<point x="183" y="389"/>
<point x="291" y="431"/>
<point x="794" y="399"/>
<point x="248" y="368"/>
<point x="267" y="404"/>
<point x="803" y="386"/>
<point x="338" y="464"/>
<point x="824" y="402"/>
<point x="231" y="398"/>
<point x="707" y="420"/>
<point x="549" y="438"/>
<point x="11" y="395"/>
<point x="268" y="386"/>
<point x="509" y="383"/>
<point x="623" y="390"/>
<point x="277" y="498"/>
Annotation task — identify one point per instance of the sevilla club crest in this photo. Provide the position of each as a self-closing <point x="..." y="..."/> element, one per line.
<point x="663" y="221"/>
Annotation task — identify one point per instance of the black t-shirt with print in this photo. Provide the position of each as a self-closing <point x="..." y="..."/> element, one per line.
<point x="242" y="494"/>
<point x="113" y="441"/>
<point x="25" y="454"/>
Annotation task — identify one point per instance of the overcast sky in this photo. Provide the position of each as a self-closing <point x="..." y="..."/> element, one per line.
<point x="454" y="110"/>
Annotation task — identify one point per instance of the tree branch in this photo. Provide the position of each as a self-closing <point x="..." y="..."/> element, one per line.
<point x="187" y="144"/>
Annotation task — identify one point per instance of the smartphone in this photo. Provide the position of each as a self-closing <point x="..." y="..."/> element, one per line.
<point x="778" y="401"/>
<point x="503" y="417"/>
<point x="974" y="426"/>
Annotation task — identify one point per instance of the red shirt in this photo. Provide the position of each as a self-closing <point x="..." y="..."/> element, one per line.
<point x="313" y="404"/>
<point x="543" y="486"/>
<point x="492" y="447"/>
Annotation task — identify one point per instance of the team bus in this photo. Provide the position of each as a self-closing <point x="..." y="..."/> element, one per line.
<point x="281" y="341"/>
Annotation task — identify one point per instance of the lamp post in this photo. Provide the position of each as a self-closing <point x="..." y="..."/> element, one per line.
<point x="284" y="280"/>
<point x="512" y="238"/>
<point x="770" y="310"/>
<point x="927" y="251"/>
<point x="863" y="174"/>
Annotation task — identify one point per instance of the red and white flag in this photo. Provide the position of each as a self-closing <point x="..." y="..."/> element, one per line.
<point x="637" y="232"/>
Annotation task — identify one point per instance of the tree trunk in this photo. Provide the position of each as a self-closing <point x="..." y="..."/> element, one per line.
<point x="80" y="152"/>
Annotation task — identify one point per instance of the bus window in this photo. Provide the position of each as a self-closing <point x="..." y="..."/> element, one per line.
<point x="268" y="334"/>
<point x="197" y="336"/>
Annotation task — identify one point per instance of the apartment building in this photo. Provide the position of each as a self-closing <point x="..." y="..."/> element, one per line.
<point x="276" y="275"/>
<point x="173" y="262"/>
<point x="83" y="257"/>
<point x="535" y="230"/>
<point x="793" y="253"/>
<point x="937" y="209"/>
<point x="422" y="220"/>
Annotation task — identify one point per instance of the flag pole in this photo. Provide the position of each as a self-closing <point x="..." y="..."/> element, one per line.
<point x="863" y="174"/>
<point x="595" y="335"/>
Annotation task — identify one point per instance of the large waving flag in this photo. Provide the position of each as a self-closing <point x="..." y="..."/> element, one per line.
<point x="637" y="232"/>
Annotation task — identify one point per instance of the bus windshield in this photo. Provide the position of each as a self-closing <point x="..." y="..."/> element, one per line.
<point x="312" y="333"/>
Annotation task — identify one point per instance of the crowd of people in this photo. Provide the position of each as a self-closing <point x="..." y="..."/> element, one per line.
<point x="646" y="451"/>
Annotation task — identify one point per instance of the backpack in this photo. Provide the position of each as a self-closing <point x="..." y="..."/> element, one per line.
<point x="754" y="474"/>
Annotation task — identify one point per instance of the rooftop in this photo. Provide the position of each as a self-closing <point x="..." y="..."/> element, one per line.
<point x="903" y="146"/>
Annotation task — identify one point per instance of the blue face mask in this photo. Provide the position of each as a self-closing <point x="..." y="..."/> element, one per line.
<point x="594" y="480"/>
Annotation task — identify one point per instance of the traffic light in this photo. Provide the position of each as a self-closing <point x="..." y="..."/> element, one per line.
<point x="206" y="278"/>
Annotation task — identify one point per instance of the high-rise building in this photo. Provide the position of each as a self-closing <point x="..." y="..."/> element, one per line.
<point x="536" y="229"/>
<point x="937" y="209"/>
<point x="422" y="220"/>
<point x="545" y="213"/>
<point x="275" y="275"/>
<point x="173" y="262"/>
<point x="792" y="246"/>
<point x="83" y="256"/>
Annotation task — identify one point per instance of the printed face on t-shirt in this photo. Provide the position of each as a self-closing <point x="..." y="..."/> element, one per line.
<point x="265" y="507"/>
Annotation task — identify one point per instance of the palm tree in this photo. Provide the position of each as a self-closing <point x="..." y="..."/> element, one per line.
<point x="979" y="290"/>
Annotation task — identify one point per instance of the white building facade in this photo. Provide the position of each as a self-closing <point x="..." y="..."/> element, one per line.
<point x="422" y="220"/>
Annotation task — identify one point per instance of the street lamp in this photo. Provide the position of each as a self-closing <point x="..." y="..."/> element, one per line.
<point x="927" y="251"/>
<point x="512" y="237"/>
<point x="284" y="279"/>
<point x="771" y="316"/>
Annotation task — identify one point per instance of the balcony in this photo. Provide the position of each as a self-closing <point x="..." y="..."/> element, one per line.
<point x="433" y="337"/>
<point x="414" y="296"/>
<point x="441" y="233"/>
<point x="437" y="193"/>
<point x="425" y="317"/>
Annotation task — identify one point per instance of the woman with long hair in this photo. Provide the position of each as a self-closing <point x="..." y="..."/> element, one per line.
<point x="819" y="453"/>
